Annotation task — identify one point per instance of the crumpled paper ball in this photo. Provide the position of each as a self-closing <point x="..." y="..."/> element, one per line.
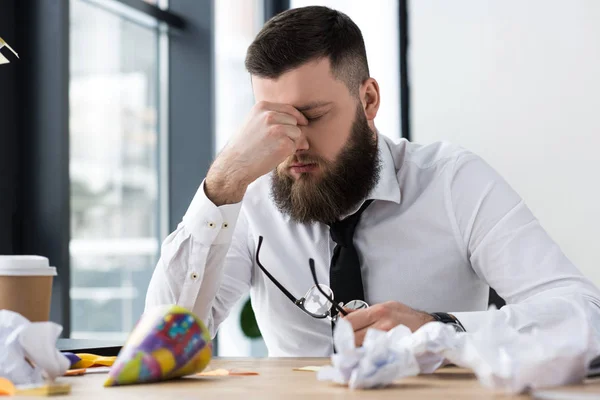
<point x="555" y="349"/>
<point x="384" y="356"/>
<point x="168" y="342"/>
<point x="28" y="353"/>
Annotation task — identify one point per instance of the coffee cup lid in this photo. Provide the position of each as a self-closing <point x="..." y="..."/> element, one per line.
<point x="25" y="266"/>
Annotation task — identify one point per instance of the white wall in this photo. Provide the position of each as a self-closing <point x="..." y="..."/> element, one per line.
<point x="378" y="22"/>
<point x="518" y="82"/>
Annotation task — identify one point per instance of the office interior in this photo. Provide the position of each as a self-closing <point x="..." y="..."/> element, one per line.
<point x="115" y="109"/>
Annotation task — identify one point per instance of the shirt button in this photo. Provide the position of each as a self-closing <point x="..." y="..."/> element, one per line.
<point x="211" y="224"/>
<point x="194" y="275"/>
<point x="225" y="225"/>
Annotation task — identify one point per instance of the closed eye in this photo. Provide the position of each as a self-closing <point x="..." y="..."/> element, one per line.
<point x="313" y="119"/>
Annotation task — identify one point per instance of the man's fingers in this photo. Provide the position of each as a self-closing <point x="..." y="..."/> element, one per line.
<point x="359" y="337"/>
<point x="286" y="109"/>
<point x="361" y="321"/>
<point x="360" y="318"/>
<point x="291" y="131"/>
<point x="279" y="118"/>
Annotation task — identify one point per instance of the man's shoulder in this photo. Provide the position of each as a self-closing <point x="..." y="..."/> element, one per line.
<point x="426" y="156"/>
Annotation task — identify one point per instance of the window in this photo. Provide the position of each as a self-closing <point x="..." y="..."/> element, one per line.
<point x="378" y="21"/>
<point x="236" y="24"/>
<point x="115" y="168"/>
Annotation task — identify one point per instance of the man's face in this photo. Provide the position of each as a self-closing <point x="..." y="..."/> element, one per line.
<point x="324" y="100"/>
<point x="341" y="165"/>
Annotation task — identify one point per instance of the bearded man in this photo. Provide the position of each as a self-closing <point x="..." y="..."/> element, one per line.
<point x="319" y="216"/>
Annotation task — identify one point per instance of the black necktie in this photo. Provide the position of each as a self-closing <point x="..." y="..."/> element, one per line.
<point x="344" y="273"/>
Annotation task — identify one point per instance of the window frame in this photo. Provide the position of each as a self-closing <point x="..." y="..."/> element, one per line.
<point x="35" y="196"/>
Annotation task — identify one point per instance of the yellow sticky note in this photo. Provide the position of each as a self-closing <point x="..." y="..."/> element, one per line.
<point x="44" y="390"/>
<point x="214" y="372"/>
<point x="310" y="368"/>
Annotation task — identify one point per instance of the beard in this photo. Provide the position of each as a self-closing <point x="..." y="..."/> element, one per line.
<point x="341" y="185"/>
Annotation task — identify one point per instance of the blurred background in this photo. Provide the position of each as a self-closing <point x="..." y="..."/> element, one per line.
<point x="110" y="119"/>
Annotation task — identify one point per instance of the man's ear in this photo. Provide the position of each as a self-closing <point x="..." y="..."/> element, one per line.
<point x="369" y="96"/>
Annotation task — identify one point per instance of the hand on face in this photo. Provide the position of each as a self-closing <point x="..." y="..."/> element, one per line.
<point x="270" y="134"/>
<point x="385" y="316"/>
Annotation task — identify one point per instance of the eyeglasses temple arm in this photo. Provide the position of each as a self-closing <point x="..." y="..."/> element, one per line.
<point x="279" y="285"/>
<point x="339" y="309"/>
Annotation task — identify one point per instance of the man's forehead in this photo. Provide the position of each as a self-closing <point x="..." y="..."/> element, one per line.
<point x="307" y="87"/>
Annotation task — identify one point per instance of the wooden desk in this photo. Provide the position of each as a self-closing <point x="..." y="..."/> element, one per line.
<point x="277" y="380"/>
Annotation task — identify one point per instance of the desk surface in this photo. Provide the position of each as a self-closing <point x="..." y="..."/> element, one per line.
<point x="278" y="380"/>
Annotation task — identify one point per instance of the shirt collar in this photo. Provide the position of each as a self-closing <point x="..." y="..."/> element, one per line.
<point x="387" y="188"/>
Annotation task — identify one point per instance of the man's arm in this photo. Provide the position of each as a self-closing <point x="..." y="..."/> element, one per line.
<point x="204" y="264"/>
<point x="509" y="249"/>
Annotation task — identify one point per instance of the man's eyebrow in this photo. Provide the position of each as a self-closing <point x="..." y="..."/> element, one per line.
<point x="314" y="104"/>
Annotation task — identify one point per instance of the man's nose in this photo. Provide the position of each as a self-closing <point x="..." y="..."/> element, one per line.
<point x="302" y="143"/>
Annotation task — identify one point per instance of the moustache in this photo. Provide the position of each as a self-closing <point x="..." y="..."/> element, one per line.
<point x="303" y="159"/>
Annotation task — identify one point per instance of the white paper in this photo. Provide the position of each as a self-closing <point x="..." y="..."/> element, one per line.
<point x="380" y="360"/>
<point x="3" y="60"/>
<point x="22" y="340"/>
<point x="555" y="350"/>
<point x="556" y="353"/>
<point x="3" y="43"/>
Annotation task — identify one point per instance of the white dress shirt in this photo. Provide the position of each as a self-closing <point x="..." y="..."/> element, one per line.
<point x="443" y="227"/>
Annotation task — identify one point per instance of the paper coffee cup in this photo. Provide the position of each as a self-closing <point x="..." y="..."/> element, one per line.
<point x="26" y="286"/>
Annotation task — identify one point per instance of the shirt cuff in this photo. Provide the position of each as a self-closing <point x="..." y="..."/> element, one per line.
<point x="208" y="223"/>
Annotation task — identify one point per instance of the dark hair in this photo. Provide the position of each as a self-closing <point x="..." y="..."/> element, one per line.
<point x="300" y="35"/>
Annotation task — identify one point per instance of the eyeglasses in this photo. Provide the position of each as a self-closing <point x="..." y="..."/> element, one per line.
<point x="319" y="299"/>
